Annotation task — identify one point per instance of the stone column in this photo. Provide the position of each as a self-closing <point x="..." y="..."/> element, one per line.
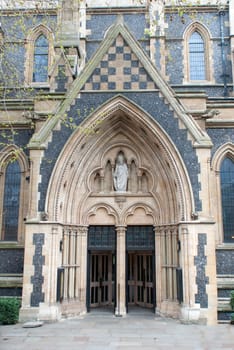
<point x="190" y="311"/>
<point x="49" y="310"/>
<point x="158" y="262"/>
<point x="82" y="245"/>
<point x="55" y="259"/>
<point x="121" y="272"/>
<point x="35" y="159"/>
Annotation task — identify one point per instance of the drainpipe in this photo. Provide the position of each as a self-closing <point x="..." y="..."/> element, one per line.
<point x="222" y="44"/>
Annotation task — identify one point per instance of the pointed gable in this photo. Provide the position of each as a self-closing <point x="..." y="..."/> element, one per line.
<point x="61" y="75"/>
<point x="121" y="64"/>
<point x="119" y="69"/>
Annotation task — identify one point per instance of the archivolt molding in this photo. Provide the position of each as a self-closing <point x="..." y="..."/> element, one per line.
<point x="226" y="150"/>
<point x="73" y="166"/>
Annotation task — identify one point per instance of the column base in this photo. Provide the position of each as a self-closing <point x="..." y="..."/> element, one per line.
<point x="190" y="314"/>
<point x="120" y="312"/>
<point x="73" y="308"/>
<point x="49" y="312"/>
<point x="168" y="309"/>
<point x="28" y="314"/>
<point x="44" y="312"/>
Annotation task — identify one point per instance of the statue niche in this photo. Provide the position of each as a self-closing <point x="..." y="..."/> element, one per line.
<point x="133" y="185"/>
<point x="120" y="173"/>
<point x="108" y="186"/>
<point x="97" y="183"/>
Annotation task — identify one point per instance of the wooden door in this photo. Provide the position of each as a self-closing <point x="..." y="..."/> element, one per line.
<point x="101" y="279"/>
<point x="140" y="279"/>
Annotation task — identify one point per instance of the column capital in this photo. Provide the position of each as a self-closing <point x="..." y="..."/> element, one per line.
<point x="54" y="230"/>
<point x="82" y="230"/>
<point x="159" y="230"/>
<point x="121" y="229"/>
<point x="184" y="230"/>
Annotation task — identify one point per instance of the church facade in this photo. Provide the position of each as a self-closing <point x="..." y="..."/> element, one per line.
<point x="117" y="158"/>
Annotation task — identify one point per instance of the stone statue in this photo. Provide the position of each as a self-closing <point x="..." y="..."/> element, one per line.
<point x="120" y="175"/>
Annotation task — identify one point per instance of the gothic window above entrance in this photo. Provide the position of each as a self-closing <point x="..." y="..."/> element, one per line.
<point x="227" y="191"/>
<point x="40" y="69"/>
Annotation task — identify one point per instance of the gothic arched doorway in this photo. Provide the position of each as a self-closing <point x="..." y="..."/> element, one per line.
<point x="157" y="196"/>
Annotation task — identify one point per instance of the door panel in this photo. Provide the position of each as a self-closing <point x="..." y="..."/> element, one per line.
<point x="101" y="279"/>
<point x="140" y="279"/>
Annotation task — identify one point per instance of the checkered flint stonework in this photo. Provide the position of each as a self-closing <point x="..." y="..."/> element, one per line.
<point x="119" y="69"/>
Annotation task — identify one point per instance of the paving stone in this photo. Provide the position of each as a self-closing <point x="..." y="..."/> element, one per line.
<point x="35" y="324"/>
<point x="131" y="332"/>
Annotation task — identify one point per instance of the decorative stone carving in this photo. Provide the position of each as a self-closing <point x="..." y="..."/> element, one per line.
<point x="120" y="171"/>
<point x="120" y="175"/>
<point x="133" y="183"/>
<point x="108" y="181"/>
<point x="97" y="183"/>
<point x="44" y="216"/>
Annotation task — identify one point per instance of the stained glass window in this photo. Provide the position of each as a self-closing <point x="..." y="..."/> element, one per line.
<point x="227" y="190"/>
<point x="40" y="69"/>
<point x="102" y="237"/>
<point x="11" y="201"/>
<point x="197" y="67"/>
<point x="140" y="238"/>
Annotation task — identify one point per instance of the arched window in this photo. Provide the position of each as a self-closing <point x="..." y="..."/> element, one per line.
<point x="14" y="193"/>
<point x="39" y="55"/>
<point x="1" y="39"/>
<point x="11" y="201"/>
<point x="40" y="68"/>
<point x="197" y="61"/>
<point x="227" y="191"/>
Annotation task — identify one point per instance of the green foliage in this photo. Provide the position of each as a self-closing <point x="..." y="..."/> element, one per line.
<point x="232" y="300"/>
<point x="9" y="310"/>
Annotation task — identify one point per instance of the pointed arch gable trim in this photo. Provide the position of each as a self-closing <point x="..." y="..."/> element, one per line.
<point x="199" y="27"/>
<point x="226" y="150"/>
<point x="12" y="151"/>
<point x="200" y="138"/>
